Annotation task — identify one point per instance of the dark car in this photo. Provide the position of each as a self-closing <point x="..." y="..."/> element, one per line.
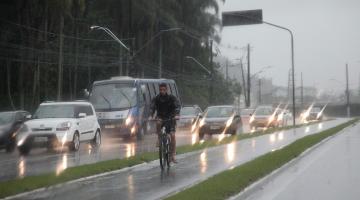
<point x="10" y="122"/>
<point x="220" y="119"/>
<point x="188" y="115"/>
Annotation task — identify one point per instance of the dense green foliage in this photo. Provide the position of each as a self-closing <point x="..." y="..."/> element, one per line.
<point x="48" y="51"/>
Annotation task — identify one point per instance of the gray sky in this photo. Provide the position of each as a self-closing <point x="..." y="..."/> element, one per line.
<point x="326" y="33"/>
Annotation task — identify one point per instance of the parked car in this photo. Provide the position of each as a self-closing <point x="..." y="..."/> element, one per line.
<point x="264" y="116"/>
<point x="10" y="122"/>
<point x="60" y="124"/>
<point x="188" y="116"/>
<point x="122" y="104"/>
<point x="218" y="119"/>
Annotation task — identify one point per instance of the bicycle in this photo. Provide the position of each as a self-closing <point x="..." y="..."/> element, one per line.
<point x="164" y="144"/>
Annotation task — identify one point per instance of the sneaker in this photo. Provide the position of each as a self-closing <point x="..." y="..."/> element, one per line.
<point x="174" y="160"/>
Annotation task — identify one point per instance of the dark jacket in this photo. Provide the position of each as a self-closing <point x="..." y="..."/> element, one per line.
<point x="166" y="106"/>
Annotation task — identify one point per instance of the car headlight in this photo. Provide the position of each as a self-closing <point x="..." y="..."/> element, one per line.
<point x="129" y="120"/>
<point x="202" y="122"/>
<point x="23" y="129"/>
<point x="252" y="118"/>
<point x="65" y="126"/>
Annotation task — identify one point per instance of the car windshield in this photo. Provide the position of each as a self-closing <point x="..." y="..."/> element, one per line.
<point x="247" y="112"/>
<point x="188" y="111"/>
<point x="55" y="111"/>
<point x="264" y="111"/>
<point x="219" y="112"/>
<point x="6" y="117"/>
<point x="116" y="96"/>
<point x="315" y="109"/>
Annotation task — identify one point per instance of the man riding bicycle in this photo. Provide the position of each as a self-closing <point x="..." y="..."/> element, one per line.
<point x="167" y="107"/>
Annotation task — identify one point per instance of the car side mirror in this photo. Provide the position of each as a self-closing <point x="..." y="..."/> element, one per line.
<point x="86" y="93"/>
<point x="28" y="117"/>
<point x="82" y="115"/>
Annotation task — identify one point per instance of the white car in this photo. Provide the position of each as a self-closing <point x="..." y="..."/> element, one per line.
<point x="60" y="124"/>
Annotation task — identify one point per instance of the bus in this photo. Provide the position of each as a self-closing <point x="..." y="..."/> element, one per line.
<point x="122" y="104"/>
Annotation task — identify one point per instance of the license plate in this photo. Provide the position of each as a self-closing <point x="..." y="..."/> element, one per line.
<point x="41" y="139"/>
<point x="109" y="126"/>
<point x="214" y="127"/>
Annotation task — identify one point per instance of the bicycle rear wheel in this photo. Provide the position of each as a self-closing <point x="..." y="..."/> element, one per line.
<point x="168" y="153"/>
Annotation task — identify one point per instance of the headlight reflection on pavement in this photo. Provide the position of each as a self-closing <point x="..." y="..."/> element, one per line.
<point x="62" y="165"/>
<point x="230" y="152"/>
<point x="203" y="162"/>
<point x="130" y="150"/>
<point x="21" y="167"/>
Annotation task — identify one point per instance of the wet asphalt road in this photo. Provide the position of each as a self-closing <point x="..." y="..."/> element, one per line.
<point x="330" y="172"/>
<point x="149" y="182"/>
<point x="41" y="161"/>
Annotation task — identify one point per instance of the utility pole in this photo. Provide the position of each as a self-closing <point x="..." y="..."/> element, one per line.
<point x="227" y="70"/>
<point x="211" y="90"/>
<point x="248" y="103"/>
<point x="160" y="57"/>
<point x="120" y="62"/>
<point x="347" y="92"/>
<point x="259" y="91"/>
<point x="302" y="91"/>
<point x="243" y="80"/>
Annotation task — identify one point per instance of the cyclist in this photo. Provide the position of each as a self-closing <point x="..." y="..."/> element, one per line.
<point x="167" y="107"/>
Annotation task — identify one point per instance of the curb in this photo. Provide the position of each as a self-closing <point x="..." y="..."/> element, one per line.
<point x="267" y="179"/>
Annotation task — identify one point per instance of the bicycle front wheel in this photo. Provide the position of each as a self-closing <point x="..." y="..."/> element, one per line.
<point x="161" y="155"/>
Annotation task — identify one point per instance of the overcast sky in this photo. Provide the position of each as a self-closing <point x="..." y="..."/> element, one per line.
<point x="326" y="34"/>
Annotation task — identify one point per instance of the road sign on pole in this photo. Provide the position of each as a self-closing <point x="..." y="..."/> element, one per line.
<point x="246" y="17"/>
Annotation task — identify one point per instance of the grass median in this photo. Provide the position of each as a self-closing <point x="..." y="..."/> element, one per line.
<point x="16" y="186"/>
<point x="231" y="182"/>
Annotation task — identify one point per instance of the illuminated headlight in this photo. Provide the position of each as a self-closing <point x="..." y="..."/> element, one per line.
<point x="22" y="135"/>
<point x="252" y="118"/>
<point x="202" y="123"/>
<point x="271" y="119"/>
<point x="129" y="120"/>
<point x="65" y="126"/>
<point x="23" y="129"/>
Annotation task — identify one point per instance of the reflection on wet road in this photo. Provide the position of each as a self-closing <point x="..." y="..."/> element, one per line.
<point x="149" y="182"/>
<point x="42" y="161"/>
<point x="330" y="171"/>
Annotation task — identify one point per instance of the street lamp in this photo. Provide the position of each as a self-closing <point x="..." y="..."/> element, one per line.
<point x="202" y="66"/>
<point x="160" y="49"/>
<point x="207" y="71"/>
<point x="261" y="71"/>
<point x="111" y="35"/>
<point x="249" y="17"/>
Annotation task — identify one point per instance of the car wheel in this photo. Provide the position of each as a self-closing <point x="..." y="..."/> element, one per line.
<point x="75" y="144"/>
<point x="24" y="149"/>
<point x="51" y="144"/>
<point x="10" y="147"/>
<point x="201" y="135"/>
<point x="96" y="142"/>
<point x="140" y="133"/>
